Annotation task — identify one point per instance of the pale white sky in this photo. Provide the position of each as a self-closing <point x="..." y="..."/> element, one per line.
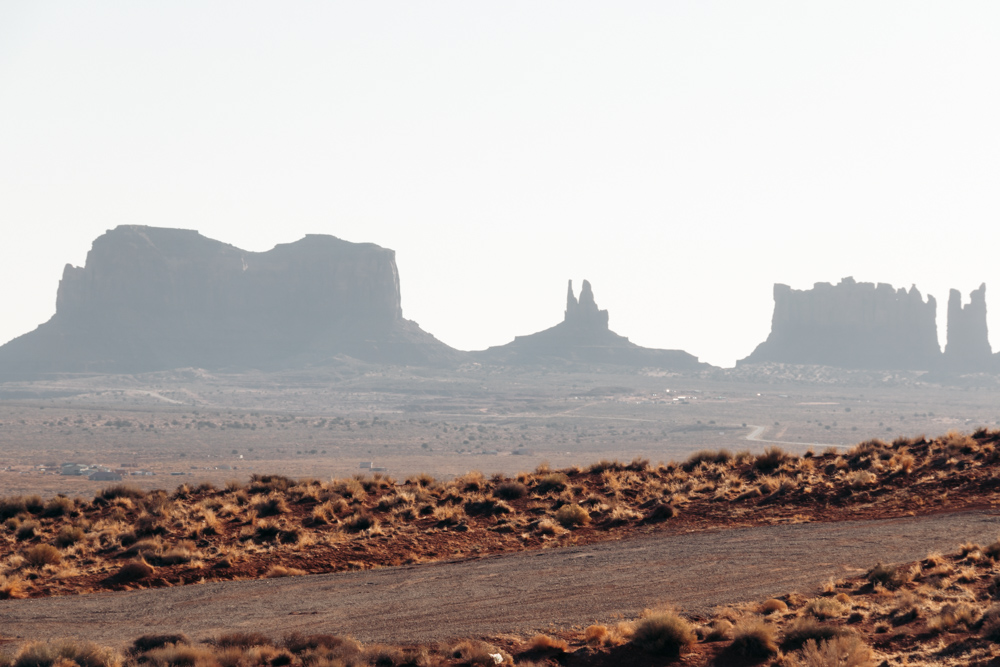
<point x="682" y="156"/>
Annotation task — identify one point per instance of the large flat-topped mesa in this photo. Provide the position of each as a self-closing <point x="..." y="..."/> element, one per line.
<point x="584" y="337"/>
<point x="852" y="325"/>
<point x="152" y="299"/>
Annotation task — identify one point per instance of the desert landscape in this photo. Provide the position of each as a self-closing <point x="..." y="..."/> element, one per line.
<point x="451" y="334"/>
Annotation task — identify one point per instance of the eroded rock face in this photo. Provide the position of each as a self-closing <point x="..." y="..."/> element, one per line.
<point x="968" y="349"/>
<point x="852" y="325"/>
<point x="584" y="337"/>
<point x="152" y="299"/>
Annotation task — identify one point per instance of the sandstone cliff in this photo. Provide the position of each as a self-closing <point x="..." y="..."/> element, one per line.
<point x="968" y="349"/>
<point x="584" y="337"/>
<point x="152" y="299"/>
<point x="852" y="325"/>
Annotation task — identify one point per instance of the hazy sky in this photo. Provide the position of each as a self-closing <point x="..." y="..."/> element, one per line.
<point x="682" y="156"/>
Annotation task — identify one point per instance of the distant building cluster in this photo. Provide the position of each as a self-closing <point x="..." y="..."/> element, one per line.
<point x="95" y="472"/>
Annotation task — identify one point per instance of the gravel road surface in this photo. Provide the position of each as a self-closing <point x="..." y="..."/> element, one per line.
<point x="519" y="592"/>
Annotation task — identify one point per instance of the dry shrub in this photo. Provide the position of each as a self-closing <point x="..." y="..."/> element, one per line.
<point x="548" y="527"/>
<point x="596" y="635"/>
<point x="753" y="639"/>
<point x="887" y="576"/>
<point x="448" y="515"/>
<point x="482" y="506"/>
<point x="150" y="642"/>
<point x="773" y="605"/>
<point x="806" y="629"/>
<point x="663" y="633"/>
<point x="572" y="515"/>
<point x="34" y="504"/>
<point x="950" y="617"/>
<point x="555" y="481"/>
<point x="477" y="654"/>
<point x="825" y="608"/>
<point x="182" y="552"/>
<point x="423" y="480"/>
<point x="622" y="514"/>
<point x="136" y="570"/>
<point x="545" y="643"/>
<point x="860" y="478"/>
<point x="273" y="505"/>
<point x="267" y="483"/>
<point x="27" y="530"/>
<point x="179" y="654"/>
<point x="706" y="456"/>
<point x="144" y="548"/>
<point x="662" y="512"/>
<point x="69" y="535"/>
<point x="720" y="630"/>
<point x="243" y="639"/>
<point x="121" y="491"/>
<point x="266" y="531"/>
<point x="83" y="654"/>
<point x="296" y="642"/>
<point x="277" y="571"/>
<point x="58" y="506"/>
<point x="349" y="488"/>
<point x="510" y="490"/>
<point x="842" y="651"/>
<point x="41" y="555"/>
<point x="770" y="460"/>
<point x="12" y="587"/>
<point x="359" y="522"/>
<point x="12" y="506"/>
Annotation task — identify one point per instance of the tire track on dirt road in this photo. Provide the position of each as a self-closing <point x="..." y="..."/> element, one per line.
<point x="520" y="592"/>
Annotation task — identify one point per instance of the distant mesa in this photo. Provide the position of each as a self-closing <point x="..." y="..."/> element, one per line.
<point x="584" y="337"/>
<point x="152" y="299"/>
<point x="852" y="325"/>
<point x="968" y="349"/>
<point x="874" y="327"/>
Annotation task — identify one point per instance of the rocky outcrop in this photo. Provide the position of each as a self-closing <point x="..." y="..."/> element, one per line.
<point x="968" y="348"/>
<point x="153" y="299"/>
<point x="852" y="325"/>
<point x="584" y="337"/>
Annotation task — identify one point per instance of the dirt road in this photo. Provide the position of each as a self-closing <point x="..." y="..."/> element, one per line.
<point x="512" y="593"/>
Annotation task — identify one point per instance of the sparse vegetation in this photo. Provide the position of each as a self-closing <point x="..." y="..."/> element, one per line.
<point x="474" y="513"/>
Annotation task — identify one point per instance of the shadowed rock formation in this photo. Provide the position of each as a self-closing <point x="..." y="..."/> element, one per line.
<point x="153" y="299"/>
<point x="852" y="325"/>
<point x="968" y="349"/>
<point x="584" y="337"/>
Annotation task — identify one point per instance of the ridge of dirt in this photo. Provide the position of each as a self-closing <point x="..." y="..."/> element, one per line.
<point x="275" y="526"/>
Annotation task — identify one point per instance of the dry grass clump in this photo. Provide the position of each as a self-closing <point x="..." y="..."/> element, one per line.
<point x="824" y="608"/>
<point x="546" y="644"/>
<point x="41" y="555"/>
<point x="555" y="481"/>
<point x="69" y="535"/>
<point x="753" y="639"/>
<point x="12" y="587"/>
<point x="663" y="633"/>
<point x="277" y="571"/>
<point x="887" y="576"/>
<point x="136" y="570"/>
<point x="572" y="515"/>
<point x="841" y="651"/>
<point x="807" y="629"/>
<point x="773" y="606"/>
<point x="121" y="491"/>
<point x="510" y="490"/>
<point x="65" y="653"/>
